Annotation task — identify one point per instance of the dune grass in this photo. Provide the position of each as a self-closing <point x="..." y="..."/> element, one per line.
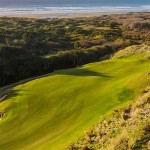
<point x="52" y="112"/>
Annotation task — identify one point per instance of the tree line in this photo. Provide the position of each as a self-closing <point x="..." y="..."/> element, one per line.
<point x="15" y="66"/>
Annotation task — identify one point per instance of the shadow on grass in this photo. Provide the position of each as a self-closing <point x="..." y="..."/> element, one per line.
<point x="81" y="72"/>
<point x="10" y="93"/>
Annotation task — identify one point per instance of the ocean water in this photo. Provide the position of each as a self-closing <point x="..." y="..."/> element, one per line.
<point x="10" y="7"/>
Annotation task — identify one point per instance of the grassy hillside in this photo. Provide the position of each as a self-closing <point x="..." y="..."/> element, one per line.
<point x="52" y="112"/>
<point x="126" y="128"/>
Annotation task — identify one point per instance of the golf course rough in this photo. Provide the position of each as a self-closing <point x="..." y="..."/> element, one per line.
<point x="52" y="112"/>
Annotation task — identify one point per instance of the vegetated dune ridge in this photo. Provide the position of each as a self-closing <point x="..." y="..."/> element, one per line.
<point x="52" y="112"/>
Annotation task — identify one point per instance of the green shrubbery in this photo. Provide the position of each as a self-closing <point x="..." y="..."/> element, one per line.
<point x="31" y="47"/>
<point x="16" y="66"/>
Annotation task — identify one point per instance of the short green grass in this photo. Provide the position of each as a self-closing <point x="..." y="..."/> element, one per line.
<point x="52" y="112"/>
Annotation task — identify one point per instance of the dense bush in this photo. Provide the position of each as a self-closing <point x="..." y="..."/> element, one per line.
<point x="32" y="47"/>
<point x="16" y="66"/>
<point x="141" y="25"/>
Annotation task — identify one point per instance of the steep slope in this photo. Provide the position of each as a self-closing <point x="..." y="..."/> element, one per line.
<point x="52" y="112"/>
<point x="124" y="128"/>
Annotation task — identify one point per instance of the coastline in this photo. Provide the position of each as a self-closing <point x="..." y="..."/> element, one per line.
<point x="62" y="15"/>
<point x="46" y="11"/>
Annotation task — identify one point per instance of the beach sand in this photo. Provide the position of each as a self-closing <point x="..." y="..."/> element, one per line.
<point x="61" y="15"/>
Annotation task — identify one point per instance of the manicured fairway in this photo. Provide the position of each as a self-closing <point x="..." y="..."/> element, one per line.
<point x="51" y="112"/>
